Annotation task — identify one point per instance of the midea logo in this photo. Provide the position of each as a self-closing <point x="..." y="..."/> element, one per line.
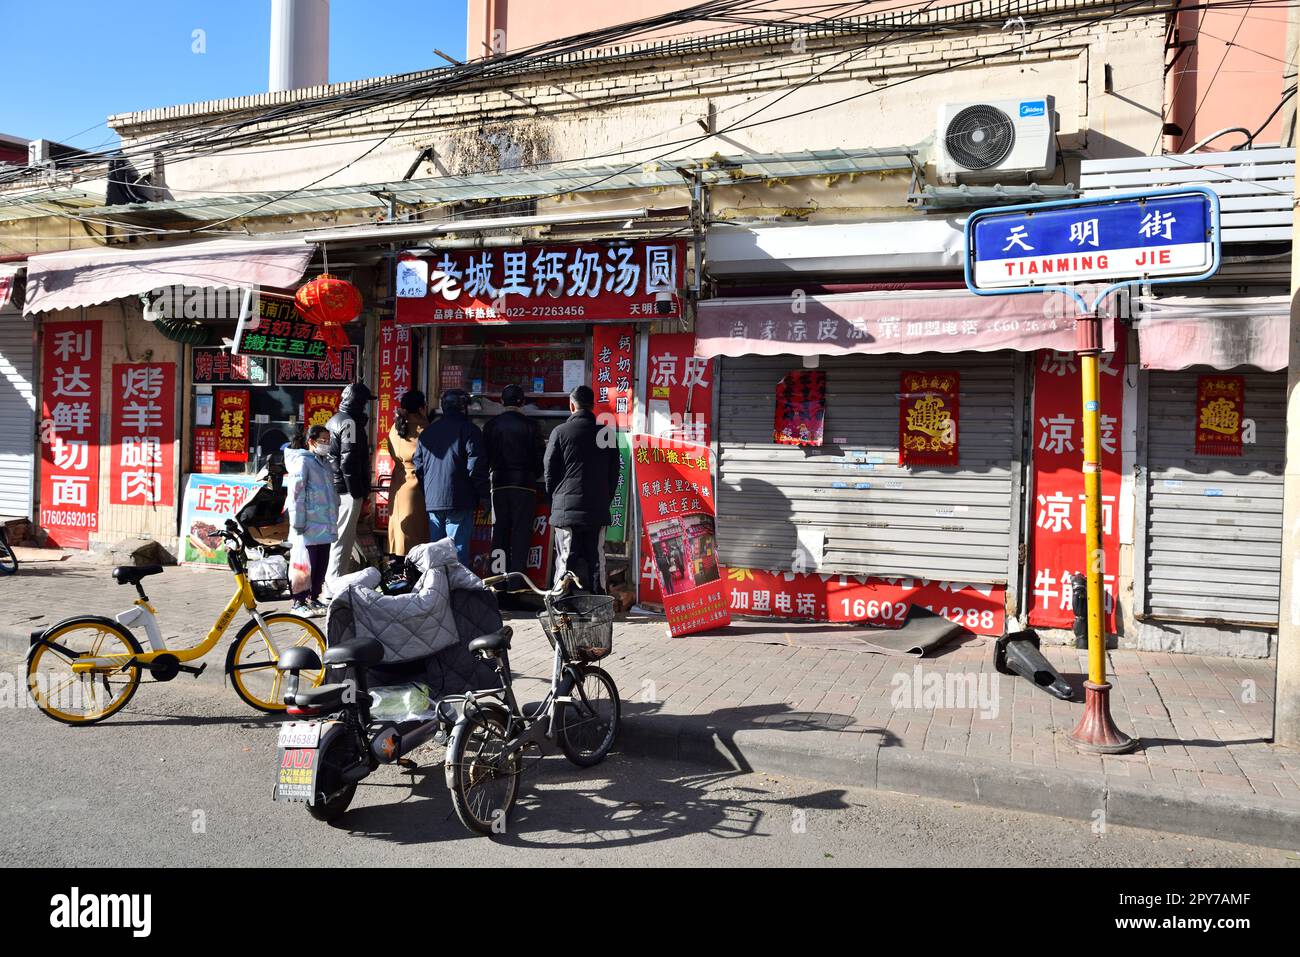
<point x="75" y="910"/>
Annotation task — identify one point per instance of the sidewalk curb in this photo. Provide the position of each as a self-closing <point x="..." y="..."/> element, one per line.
<point x="1079" y="796"/>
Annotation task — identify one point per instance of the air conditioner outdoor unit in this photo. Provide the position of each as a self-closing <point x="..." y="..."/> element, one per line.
<point x="997" y="137"/>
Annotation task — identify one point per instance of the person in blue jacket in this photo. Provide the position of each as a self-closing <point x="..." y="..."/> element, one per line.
<point x="312" y="504"/>
<point x="451" y="463"/>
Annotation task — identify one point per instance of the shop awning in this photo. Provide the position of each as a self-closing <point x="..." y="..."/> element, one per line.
<point x="870" y="323"/>
<point x="86" y="277"/>
<point x="836" y="248"/>
<point x="8" y="280"/>
<point x="1223" y="333"/>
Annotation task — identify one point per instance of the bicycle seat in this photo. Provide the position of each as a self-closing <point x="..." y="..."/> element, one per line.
<point x="131" y="574"/>
<point x="496" y="641"/>
<point x="324" y="698"/>
<point x="358" y="651"/>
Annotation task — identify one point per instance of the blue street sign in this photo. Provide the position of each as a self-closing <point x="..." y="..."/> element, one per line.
<point x="1159" y="236"/>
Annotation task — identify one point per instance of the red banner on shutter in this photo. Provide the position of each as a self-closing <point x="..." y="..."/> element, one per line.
<point x="319" y="406"/>
<point x="680" y="390"/>
<point x="611" y="373"/>
<point x="927" y="418"/>
<point x="1057" y="539"/>
<point x="1220" y="411"/>
<point x="70" y="356"/>
<point x="142" y="432"/>
<point x="800" y="408"/>
<point x="674" y="484"/>
<point x="232" y="409"/>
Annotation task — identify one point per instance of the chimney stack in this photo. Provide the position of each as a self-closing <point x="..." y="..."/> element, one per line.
<point x="300" y="44"/>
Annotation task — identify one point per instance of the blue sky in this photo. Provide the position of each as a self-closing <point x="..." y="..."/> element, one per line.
<point x="69" y="64"/>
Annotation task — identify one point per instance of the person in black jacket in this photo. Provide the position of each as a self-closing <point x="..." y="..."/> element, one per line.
<point x="453" y="472"/>
<point x="351" y="463"/>
<point x="514" y="452"/>
<point x="582" y="467"/>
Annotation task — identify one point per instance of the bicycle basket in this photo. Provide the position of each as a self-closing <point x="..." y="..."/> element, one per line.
<point x="584" y="624"/>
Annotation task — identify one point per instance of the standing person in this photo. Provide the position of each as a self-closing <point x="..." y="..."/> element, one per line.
<point x="582" y="467"/>
<point x="312" y="504"/>
<point x="452" y="468"/>
<point x="351" y="458"/>
<point x="514" y="453"/>
<point x="408" y="524"/>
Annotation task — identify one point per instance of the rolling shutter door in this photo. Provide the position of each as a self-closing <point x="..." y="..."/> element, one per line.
<point x="17" y="414"/>
<point x="948" y="524"/>
<point x="1213" y="523"/>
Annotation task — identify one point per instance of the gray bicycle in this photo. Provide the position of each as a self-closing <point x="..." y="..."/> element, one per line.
<point x="494" y="737"/>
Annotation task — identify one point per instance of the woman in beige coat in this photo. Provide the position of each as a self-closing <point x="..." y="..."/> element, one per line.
<point x="408" y="523"/>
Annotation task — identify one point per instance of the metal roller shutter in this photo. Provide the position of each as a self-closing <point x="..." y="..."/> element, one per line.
<point x="17" y="414"/>
<point x="1213" y="524"/>
<point x="937" y="523"/>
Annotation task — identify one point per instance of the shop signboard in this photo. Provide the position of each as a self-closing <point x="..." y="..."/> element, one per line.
<point x="280" y="332"/>
<point x="142" y="434"/>
<point x="394" y="382"/>
<point x="339" y="368"/>
<point x="1057" y="534"/>
<point x="212" y="365"/>
<point x="586" y="282"/>
<point x="232" y="411"/>
<point x="612" y="374"/>
<point x="679" y="392"/>
<point x="620" y="506"/>
<point x="674" y="485"/>
<point x="70" y="358"/>
<point x="209" y="501"/>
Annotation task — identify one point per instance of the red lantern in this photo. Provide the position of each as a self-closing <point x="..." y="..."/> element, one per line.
<point x="329" y="302"/>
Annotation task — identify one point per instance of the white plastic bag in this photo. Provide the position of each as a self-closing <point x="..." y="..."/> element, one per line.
<point x="299" y="569"/>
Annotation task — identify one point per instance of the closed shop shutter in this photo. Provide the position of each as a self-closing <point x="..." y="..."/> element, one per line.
<point x="17" y="414"/>
<point x="881" y="519"/>
<point x="1213" y="524"/>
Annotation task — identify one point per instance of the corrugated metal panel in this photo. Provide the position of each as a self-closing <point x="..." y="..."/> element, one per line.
<point x="1213" y="524"/>
<point x="17" y="413"/>
<point x="946" y="524"/>
<point x="1255" y="187"/>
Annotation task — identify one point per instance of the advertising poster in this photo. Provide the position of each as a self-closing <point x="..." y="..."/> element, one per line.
<point x="232" y="425"/>
<point x="209" y="501"/>
<point x="319" y="406"/>
<point x="927" y="418"/>
<point x="142" y="434"/>
<point x="1057" y="535"/>
<point x="674" y="484"/>
<point x="800" y="408"/>
<point x="70" y="432"/>
<point x="281" y="332"/>
<point x="205" y="452"/>
<point x="680" y="389"/>
<point x="1220" y="411"/>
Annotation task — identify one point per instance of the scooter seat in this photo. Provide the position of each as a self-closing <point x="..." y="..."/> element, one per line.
<point x="496" y="641"/>
<point x="358" y="651"/>
<point x="324" y="698"/>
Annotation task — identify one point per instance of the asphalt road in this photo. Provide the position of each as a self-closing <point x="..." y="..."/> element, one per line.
<point x="183" y="777"/>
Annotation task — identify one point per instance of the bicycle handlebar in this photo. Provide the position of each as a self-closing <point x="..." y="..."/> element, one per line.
<point x="567" y="579"/>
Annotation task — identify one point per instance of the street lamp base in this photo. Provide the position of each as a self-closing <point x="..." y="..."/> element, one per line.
<point x="1096" y="732"/>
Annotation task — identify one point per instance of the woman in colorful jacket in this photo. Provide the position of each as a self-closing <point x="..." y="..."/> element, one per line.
<point x="313" y="508"/>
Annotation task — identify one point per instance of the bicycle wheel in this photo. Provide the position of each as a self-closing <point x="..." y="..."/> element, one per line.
<point x="589" y="725"/>
<point x="8" y="560"/>
<point x="251" y="662"/>
<point x="83" y="680"/>
<point x="483" y="784"/>
<point x="332" y="798"/>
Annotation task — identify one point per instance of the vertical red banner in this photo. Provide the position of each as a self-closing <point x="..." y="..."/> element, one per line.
<point x="70" y="357"/>
<point x="1220" y="412"/>
<point x="928" y="410"/>
<point x="1057" y="539"/>
<point x="232" y="415"/>
<point x="612" y="377"/>
<point x="800" y="408"/>
<point x="319" y="406"/>
<point x="675" y="489"/>
<point x="394" y="381"/>
<point x="679" y="392"/>
<point x="142" y="434"/>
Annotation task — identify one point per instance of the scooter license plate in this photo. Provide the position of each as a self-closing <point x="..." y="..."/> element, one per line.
<point x="299" y="734"/>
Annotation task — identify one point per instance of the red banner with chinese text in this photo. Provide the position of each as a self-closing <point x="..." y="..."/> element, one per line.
<point x="142" y="434"/>
<point x="319" y="406"/>
<point x="394" y="381"/>
<point x="232" y="415"/>
<point x="70" y="392"/>
<point x="537" y="566"/>
<point x="1220" y="411"/>
<point x="927" y="417"/>
<point x="800" y="408"/>
<point x="1057" y="537"/>
<point x="611" y="373"/>
<point x="675" y="490"/>
<point x="680" y="389"/>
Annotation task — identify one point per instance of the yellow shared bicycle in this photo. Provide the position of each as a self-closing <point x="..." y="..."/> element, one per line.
<point x="85" y="669"/>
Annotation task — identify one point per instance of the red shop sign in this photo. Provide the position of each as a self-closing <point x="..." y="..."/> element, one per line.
<point x="232" y="408"/>
<point x="611" y="373"/>
<point x="587" y="282"/>
<point x="143" y="434"/>
<point x="70" y="356"/>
